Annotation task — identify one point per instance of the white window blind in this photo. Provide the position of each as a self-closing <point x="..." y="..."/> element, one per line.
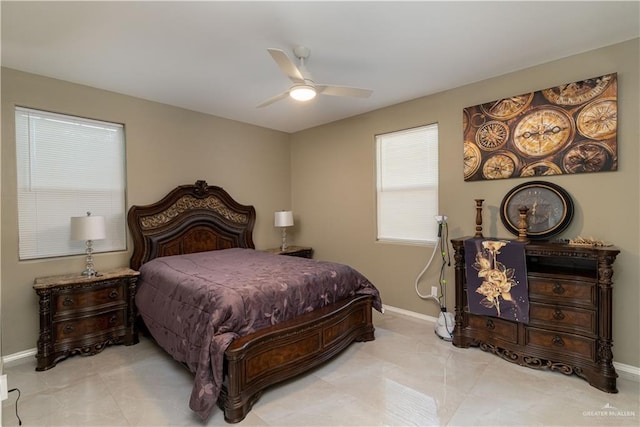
<point x="66" y="167"/>
<point x="407" y="185"/>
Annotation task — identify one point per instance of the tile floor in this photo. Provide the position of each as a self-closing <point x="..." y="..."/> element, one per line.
<point x="406" y="377"/>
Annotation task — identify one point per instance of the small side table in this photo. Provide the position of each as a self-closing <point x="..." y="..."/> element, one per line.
<point x="299" y="251"/>
<point x="82" y="315"/>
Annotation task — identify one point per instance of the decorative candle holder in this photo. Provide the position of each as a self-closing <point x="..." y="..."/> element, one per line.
<point x="522" y="224"/>
<point x="479" y="218"/>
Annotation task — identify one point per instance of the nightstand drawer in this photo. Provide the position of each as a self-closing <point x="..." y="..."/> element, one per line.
<point x="74" y="300"/>
<point x="297" y="251"/>
<point x="302" y="253"/>
<point x="94" y="324"/>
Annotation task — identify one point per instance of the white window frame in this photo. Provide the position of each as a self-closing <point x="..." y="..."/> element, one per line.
<point x="407" y="185"/>
<point x="68" y="166"/>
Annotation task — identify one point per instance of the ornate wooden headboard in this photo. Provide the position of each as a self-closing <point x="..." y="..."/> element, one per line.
<point x="191" y="218"/>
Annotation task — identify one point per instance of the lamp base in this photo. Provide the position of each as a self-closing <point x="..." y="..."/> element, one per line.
<point x="90" y="272"/>
<point x="284" y="246"/>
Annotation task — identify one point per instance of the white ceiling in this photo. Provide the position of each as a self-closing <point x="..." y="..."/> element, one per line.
<point x="211" y="56"/>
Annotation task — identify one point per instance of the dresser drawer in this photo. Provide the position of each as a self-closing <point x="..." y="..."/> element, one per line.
<point x="563" y="344"/>
<point x="563" y="317"/>
<point x="494" y="328"/>
<point x="94" y="324"/>
<point x="86" y="299"/>
<point x="564" y="291"/>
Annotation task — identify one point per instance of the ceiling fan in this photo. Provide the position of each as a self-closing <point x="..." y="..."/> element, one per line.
<point x="304" y="88"/>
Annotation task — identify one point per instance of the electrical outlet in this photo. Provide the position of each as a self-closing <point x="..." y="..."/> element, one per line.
<point x="434" y="291"/>
<point x="4" y="394"/>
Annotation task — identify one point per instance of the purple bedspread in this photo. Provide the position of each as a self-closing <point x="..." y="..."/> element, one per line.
<point x="195" y="305"/>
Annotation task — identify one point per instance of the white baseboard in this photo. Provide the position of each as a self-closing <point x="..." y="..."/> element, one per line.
<point x="411" y="313"/>
<point x="628" y="372"/>
<point x="625" y="371"/>
<point x="19" y="356"/>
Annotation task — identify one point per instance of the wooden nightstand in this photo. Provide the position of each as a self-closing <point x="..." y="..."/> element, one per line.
<point x="299" y="251"/>
<point x="81" y="315"/>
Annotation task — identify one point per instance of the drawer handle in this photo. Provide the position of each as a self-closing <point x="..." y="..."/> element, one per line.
<point x="67" y="329"/>
<point x="113" y="294"/>
<point x="113" y="319"/>
<point x="558" y="289"/>
<point x="558" y="314"/>
<point x="67" y="301"/>
<point x="557" y="341"/>
<point x="490" y="325"/>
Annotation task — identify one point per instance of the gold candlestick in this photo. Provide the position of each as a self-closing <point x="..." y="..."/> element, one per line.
<point x="479" y="218"/>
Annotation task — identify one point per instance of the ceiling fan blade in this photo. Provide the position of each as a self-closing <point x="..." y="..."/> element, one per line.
<point x="273" y="99"/>
<point x="344" y="91"/>
<point x="285" y="64"/>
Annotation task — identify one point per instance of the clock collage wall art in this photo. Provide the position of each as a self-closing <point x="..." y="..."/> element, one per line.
<point x="567" y="129"/>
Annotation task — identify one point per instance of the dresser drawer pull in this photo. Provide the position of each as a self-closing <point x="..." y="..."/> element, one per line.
<point x="490" y="325"/>
<point x="67" y="329"/>
<point x="557" y="341"/>
<point x="113" y="319"/>
<point x="558" y="314"/>
<point x="113" y="294"/>
<point x="67" y="301"/>
<point x="558" y="289"/>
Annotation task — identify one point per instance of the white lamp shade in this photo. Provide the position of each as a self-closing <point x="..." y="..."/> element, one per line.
<point x="283" y="219"/>
<point x="88" y="228"/>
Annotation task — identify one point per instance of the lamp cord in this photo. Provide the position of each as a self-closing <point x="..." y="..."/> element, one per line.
<point x="18" y="398"/>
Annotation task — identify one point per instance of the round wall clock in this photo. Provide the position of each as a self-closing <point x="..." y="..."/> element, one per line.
<point x="550" y="209"/>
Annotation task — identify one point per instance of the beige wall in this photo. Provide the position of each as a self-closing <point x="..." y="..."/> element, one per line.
<point x="166" y="147"/>
<point x="333" y="187"/>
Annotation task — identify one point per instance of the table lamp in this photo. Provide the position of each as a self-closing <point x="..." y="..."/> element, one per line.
<point x="284" y="219"/>
<point x="88" y="228"/>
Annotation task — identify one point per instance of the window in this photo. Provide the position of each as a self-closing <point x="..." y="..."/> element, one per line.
<point x="407" y="185"/>
<point x="66" y="167"/>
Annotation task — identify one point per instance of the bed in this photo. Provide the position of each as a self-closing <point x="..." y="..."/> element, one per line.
<point x="199" y="233"/>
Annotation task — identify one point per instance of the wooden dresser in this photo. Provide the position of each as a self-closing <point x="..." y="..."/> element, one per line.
<point x="81" y="315"/>
<point x="570" y="313"/>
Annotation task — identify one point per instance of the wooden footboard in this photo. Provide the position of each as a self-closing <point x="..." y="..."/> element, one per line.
<point x="274" y="354"/>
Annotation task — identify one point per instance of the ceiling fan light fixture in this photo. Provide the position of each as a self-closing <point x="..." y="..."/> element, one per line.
<point x="303" y="93"/>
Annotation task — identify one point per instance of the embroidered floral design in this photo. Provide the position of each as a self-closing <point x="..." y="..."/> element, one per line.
<point x="498" y="279"/>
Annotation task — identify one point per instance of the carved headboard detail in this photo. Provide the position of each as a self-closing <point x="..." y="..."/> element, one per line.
<point x="191" y="218"/>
